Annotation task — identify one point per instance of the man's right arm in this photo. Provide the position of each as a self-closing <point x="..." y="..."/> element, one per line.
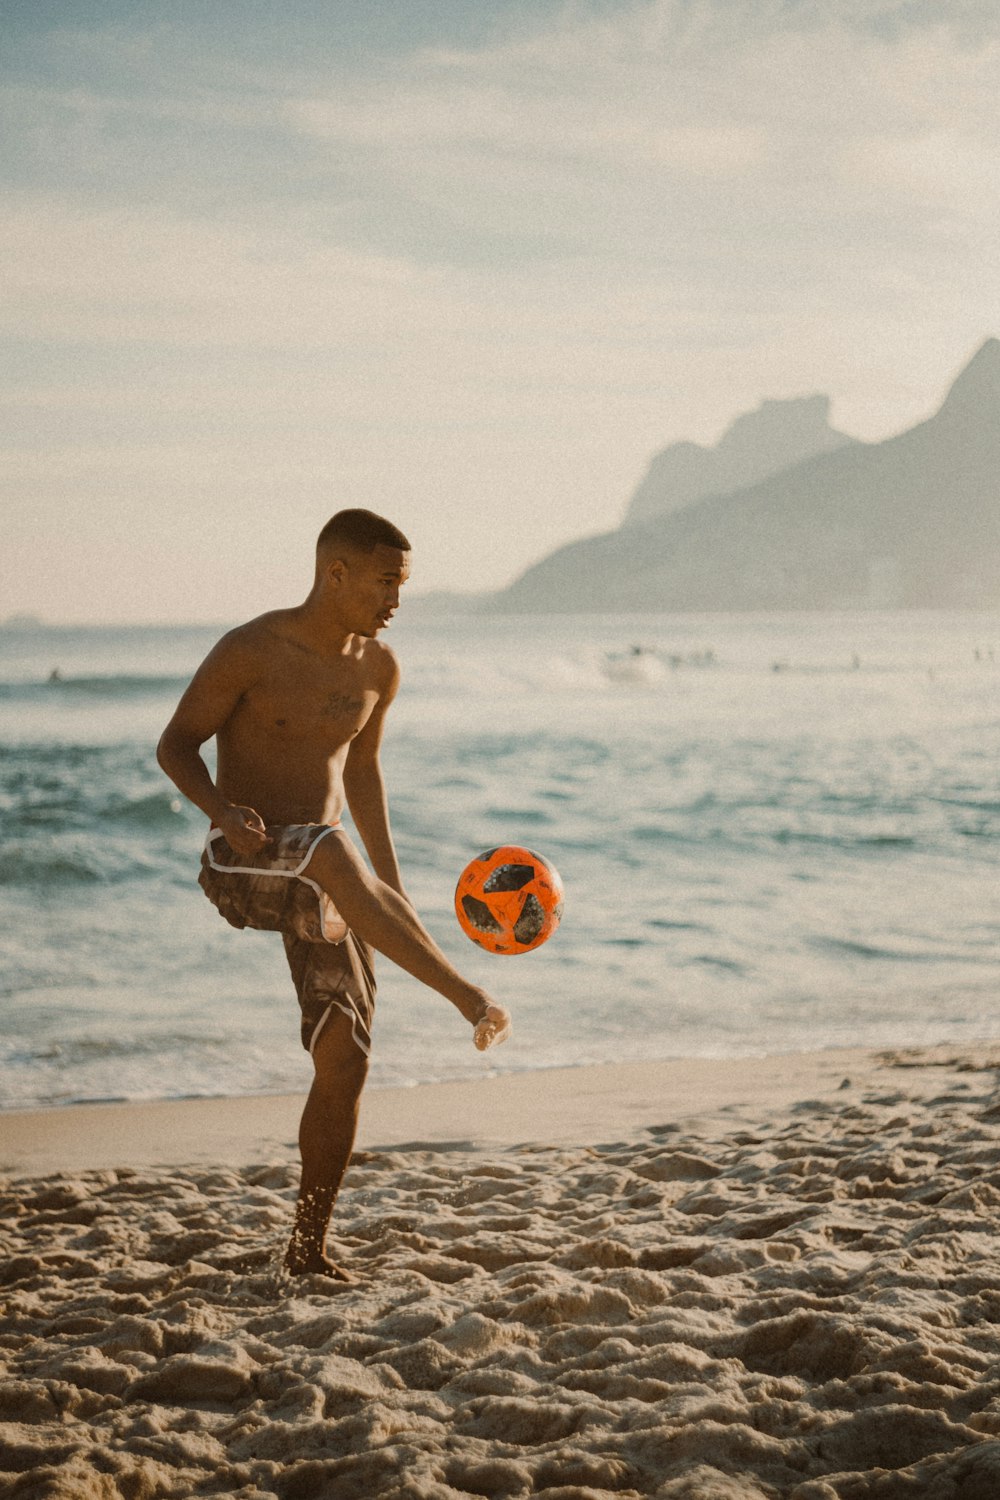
<point x="210" y="699"/>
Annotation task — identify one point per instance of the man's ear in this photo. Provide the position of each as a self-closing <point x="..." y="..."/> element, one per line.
<point x="336" y="570"/>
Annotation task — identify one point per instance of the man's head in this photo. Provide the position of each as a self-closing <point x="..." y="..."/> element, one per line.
<point x="362" y="561"/>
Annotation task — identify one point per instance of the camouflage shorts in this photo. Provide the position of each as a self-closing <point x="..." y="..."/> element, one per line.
<point x="332" y="969"/>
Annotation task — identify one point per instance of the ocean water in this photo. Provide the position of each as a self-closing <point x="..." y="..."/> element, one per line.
<point x="775" y="834"/>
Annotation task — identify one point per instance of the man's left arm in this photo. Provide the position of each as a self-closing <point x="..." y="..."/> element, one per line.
<point x="364" y="785"/>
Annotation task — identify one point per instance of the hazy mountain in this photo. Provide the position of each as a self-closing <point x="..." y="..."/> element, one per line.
<point x="756" y="445"/>
<point x="910" y="522"/>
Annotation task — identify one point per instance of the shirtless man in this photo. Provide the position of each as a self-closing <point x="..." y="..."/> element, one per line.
<point x="297" y="701"/>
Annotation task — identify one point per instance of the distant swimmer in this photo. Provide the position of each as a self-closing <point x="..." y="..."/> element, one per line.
<point x="297" y="701"/>
<point x="55" y="675"/>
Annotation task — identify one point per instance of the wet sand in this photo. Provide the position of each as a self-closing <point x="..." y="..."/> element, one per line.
<point x="774" y="1278"/>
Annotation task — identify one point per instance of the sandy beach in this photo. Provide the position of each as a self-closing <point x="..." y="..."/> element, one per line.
<point x="777" y="1277"/>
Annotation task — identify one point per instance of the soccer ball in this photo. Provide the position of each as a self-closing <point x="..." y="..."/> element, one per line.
<point x="509" y="900"/>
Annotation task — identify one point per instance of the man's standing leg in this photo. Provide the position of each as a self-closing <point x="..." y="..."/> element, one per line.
<point x="326" y="1138"/>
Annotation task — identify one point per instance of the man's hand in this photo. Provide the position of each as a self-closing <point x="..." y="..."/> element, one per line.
<point x="243" y="829"/>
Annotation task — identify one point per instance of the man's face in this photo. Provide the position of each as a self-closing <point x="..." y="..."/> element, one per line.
<point x="370" y="593"/>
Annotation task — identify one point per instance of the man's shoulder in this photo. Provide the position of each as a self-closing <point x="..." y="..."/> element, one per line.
<point x="257" y="633"/>
<point x="239" y="654"/>
<point x="382" y="663"/>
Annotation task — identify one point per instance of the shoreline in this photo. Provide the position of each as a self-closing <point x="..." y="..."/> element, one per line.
<point x="597" y="1103"/>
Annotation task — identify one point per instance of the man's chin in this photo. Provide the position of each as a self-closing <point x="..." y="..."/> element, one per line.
<point x="370" y="631"/>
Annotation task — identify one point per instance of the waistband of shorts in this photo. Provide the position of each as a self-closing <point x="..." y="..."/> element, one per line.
<point x="322" y="829"/>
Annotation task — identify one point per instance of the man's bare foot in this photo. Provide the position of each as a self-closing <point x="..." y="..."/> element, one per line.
<point x="319" y="1265"/>
<point x="492" y="1028"/>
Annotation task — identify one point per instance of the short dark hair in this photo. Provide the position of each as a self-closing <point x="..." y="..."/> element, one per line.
<point x="362" y="530"/>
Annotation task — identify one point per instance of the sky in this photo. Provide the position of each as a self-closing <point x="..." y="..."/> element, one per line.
<point x="468" y="263"/>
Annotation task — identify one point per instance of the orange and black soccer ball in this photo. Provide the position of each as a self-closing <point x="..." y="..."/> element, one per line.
<point x="509" y="900"/>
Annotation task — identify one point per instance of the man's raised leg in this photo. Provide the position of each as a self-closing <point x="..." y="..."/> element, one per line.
<point x="382" y="918"/>
<point x="326" y="1138"/>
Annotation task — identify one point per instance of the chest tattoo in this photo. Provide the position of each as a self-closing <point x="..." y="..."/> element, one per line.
<point x="339" y="705"/>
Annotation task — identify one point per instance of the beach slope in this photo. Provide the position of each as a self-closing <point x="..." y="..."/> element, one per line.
<point x="755" y="1288"/>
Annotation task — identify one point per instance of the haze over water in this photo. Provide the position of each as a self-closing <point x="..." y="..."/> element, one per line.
<point x="775" y="834"/>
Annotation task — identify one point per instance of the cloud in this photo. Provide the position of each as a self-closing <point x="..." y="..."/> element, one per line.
<point x="646" y="133"/>
<point x="501" y="122"/>
<point x="152" y="274"/>
<point x="654" y="130"/>
<point x="455" y="281"/>
<point x="927" y="172"/>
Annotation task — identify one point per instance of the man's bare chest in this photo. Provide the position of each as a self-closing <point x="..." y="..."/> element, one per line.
<point x="325" y="705"/>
